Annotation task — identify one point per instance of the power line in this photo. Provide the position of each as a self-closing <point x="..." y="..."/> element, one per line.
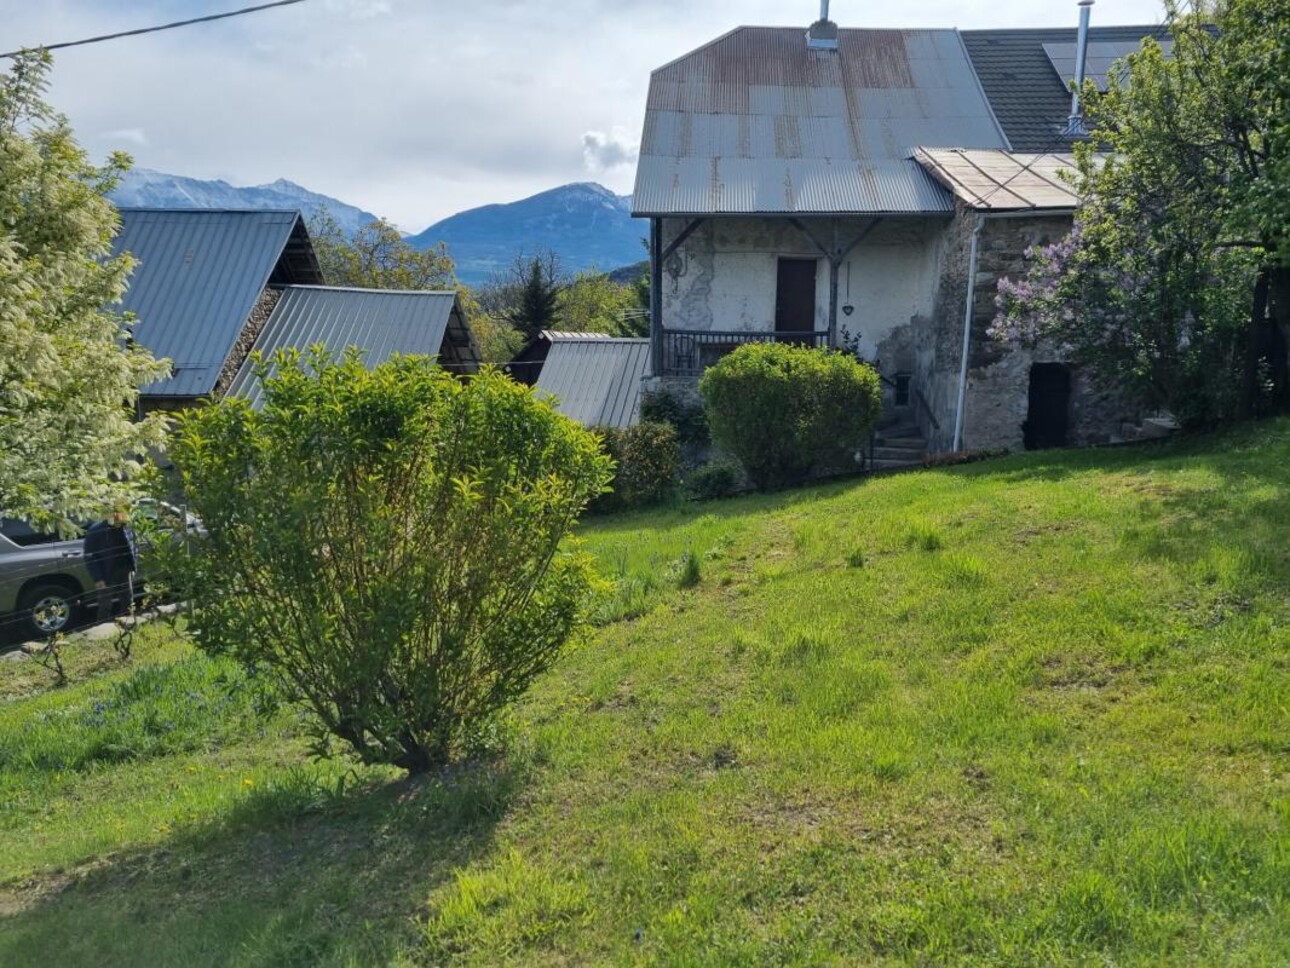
<point x="152" y="30"/>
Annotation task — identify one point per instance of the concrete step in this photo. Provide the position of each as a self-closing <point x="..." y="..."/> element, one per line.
<point x="898" y="431"/>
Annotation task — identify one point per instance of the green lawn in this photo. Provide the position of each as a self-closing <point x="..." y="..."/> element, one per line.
<point x="1030" y="711"/>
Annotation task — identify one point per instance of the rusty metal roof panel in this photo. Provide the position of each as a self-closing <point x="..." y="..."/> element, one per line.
<point x="755" y="122"/>
<point x="801" y="186"/>
<point x="596" y="382"/>
<point x="378" y="322"/>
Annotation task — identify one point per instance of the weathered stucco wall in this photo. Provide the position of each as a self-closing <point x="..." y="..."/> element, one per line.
<point x="907" y="281"/>
<point x="723" y="277"/>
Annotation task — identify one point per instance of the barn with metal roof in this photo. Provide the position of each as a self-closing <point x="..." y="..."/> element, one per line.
<point x="378" y="322"/>
<point x="201" y="280"/>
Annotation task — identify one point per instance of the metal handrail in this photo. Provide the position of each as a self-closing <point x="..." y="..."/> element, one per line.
<point x="688" y="352"/>
<point x="917" y="394"/>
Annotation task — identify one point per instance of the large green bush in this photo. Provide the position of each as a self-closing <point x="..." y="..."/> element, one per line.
<point x="786" y="411"/>
<point x="387" y="544"/>
<point x="647" y="458"/>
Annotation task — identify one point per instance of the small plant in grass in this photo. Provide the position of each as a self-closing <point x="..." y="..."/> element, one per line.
<point x="50" y="655"/>
<point x="392" y="546"/>
<point x="923" y="536"/>
<point x="689" y="570"/>
<point x="855" y="558"/>
<point x="785" y="412"/>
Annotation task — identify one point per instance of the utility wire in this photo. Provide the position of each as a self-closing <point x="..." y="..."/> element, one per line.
<point x="152" y="30"/>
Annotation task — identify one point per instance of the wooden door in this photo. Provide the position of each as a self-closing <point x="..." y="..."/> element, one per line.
<point x="795" y="296"/>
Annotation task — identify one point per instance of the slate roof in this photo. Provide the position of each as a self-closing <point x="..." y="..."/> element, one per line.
<point x="596" y="381"/>
<point x="756" y="122"/>
<point x="1001" y="181"/>
<point x="1029" y="97"/>
<point x="379" y="322"/>
<point x="200" y="274"/>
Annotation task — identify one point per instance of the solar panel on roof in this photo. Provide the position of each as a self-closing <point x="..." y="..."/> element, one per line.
<point x="1100" y="58"/>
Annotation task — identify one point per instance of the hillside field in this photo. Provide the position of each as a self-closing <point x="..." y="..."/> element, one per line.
<point x="1027" y="711"/>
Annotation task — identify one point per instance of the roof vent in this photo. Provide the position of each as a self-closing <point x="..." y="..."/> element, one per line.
<point x="1075" y="124"/>
<point x="823" y="34"/>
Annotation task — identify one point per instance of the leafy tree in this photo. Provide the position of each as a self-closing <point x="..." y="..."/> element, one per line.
<point x="1180" y="260"/>
<point x="392" y="546"/>
<point x="69" y="373"/>
<point x="786" y="411"/>
<point x="378" y="257"/>
<point x="593" y="303"/>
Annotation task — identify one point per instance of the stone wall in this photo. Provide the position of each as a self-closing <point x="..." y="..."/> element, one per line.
<point x="998" y="386"/>
<point x="260" y="314"/>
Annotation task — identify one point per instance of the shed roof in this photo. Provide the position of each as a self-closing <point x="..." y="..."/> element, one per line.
<point x="1026" y="84"/>
<point x="1002" y="181"/>
<point x="200" y="274"/>
<point x="596" y="382"/>
<point x="377" y="321"/>
<point x="755" y="122"/>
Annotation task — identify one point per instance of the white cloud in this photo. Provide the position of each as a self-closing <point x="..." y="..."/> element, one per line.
<point x="603" y="151"/>
<point x="360" y="9"/>
<point x="132" y="136"/>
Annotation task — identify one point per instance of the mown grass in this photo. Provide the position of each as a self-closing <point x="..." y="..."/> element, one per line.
<point x="1030" y="711"/>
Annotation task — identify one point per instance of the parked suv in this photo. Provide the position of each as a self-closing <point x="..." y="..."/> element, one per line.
<point x="43" y="581"/>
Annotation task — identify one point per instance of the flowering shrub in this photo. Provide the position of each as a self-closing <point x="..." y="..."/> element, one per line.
<point x="1157" y="318"/>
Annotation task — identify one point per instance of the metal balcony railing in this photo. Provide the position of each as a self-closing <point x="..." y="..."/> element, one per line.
<point x="688" y="352"/>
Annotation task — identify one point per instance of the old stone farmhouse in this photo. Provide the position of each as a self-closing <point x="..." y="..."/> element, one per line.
<point x="867" y="188"/>
<point x="213" y="286"/>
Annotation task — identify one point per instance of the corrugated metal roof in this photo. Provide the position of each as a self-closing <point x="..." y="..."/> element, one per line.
<point x="379" y="322"/>
<point x="200" y="273"/>
<point x="596" y="382"/>
<point x="1029" y="97"/>
<point x="755" y="122"/>
<point x="1001" y="180"/>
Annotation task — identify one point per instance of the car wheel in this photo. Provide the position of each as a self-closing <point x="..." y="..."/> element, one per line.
<point x="47" y="609"/>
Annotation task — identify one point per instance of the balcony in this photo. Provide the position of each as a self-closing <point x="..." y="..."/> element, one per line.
<point x="688" y="352"/>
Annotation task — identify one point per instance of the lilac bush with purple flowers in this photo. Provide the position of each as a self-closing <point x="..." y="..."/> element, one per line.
<point x="1170" y="285"/>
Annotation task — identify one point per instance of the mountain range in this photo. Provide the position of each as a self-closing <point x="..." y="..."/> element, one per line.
<point x="585" y="224"/>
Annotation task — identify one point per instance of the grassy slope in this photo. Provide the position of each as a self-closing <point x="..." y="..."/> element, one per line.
<point x="1035" y="710"/>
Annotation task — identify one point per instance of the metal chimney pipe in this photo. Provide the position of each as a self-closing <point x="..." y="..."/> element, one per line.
<point x="824" y="9"/>
<point x="1076" y="125"/>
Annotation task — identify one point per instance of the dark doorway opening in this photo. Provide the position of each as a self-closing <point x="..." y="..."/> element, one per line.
<point x="795" y="296"/>
<point x="1048" y="418"/>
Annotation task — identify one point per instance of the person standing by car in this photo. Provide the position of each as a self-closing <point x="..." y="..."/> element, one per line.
<point x="111" y="557"/>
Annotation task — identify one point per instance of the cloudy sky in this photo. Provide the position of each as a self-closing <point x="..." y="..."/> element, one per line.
<point x="416" y="109"/>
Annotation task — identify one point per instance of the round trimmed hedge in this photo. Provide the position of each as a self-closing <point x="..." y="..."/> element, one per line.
<point x="786" y="412"/>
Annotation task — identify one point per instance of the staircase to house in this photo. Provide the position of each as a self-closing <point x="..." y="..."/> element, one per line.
<point x="898" y="443"/>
